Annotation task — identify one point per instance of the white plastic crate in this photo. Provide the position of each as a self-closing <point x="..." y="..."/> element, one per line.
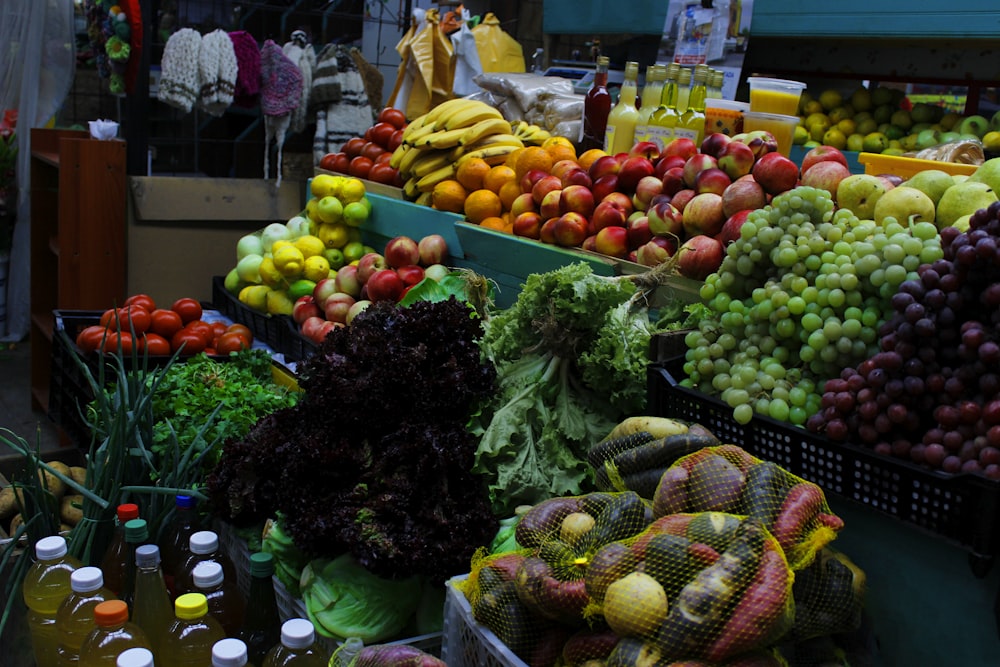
<point x="235" y="547"/>
<point x="467" y="643"/>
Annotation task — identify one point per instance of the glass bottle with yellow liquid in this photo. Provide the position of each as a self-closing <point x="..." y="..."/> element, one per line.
<point x="684" y="78"/>
<point x="660" y="129"/>
<point x="649" y="100"/>
<point x="691" y="124"/>
<point x="619" y="135"/>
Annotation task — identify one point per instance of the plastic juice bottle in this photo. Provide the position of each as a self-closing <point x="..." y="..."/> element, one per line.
<point x="136" y="534"/>
<point x="151" y="607"/>
<point x="75" y="618"/>
<point x="113" y="635"/>
<point x="298" y="647"/>
<point x="202" y="545"/>
<point x="619" y="135"/>
<point x="192" y="634"/>
<point x="262" y="627"/>
<point x="117" y="554"/>
<point x="692" y="122"/>
<point x="225" y="602"/>
<point x="174" y="545"/>
<point x="229" y="653"/>
<point x="663" y="120"/>
<point x="135" y="657"/>
<point x="596" y="107"/>
<point x="650" y="100"/>
<point x="684" y="76"/>
<point x="46" y="585"/>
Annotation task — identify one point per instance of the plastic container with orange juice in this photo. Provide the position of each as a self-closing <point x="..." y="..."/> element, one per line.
<point x="778" y="96"/>
<point x="781" y="126"/>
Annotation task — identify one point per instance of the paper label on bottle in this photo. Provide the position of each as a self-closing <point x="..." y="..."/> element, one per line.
<point x="684" y="133"/>
<point x="609" y="138"/>
<point x="661" y="136"/>
<point x="641" y="133"/>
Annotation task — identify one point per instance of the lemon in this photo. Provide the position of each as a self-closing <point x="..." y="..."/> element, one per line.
<point x="312" y="210"/>
<point x="270" y="275"/>
<point x="278" y="245"/>
<point x="278" y="302"/>
<point x="333" y="235"/>
<point x="310" y="245"/>
<point x="352" y="190"/>
<point x="831" y="99"/>
<point x="316" y="268"/>
<point x="834" y="137"/>
<point x="289" y="261"/>
<point x="321" y="185"/>
<point x="255" y="296"/>
<point x="991" y="141"/>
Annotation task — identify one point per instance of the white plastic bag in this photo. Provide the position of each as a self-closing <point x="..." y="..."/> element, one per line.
<point x="467" y="65"/>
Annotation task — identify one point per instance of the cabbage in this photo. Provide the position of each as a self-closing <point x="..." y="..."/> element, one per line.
<point x="343" y="600"/>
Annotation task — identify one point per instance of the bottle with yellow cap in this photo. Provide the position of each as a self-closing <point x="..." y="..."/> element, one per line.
<point x="46" y="585"/>
<point x="75" y="618"/>
<point x="192" y="634"/>
<point x="113" y="635"/>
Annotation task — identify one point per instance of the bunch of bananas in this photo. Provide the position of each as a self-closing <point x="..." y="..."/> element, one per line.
<point x="529" y="133"/>
<point x="435" y="142"/>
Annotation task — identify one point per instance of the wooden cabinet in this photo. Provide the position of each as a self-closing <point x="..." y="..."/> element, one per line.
<point x="78" y="245"/>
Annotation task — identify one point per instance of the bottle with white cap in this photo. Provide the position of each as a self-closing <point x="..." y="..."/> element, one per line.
<point x="46" y="585"/>
<point x="298" y="647"/>
<point x="229" y="652"/>
<point x="225" y="602"/>
<point x="135" y="657"/>
<point x="203" y="545"/>
<point x="75" y="617"/>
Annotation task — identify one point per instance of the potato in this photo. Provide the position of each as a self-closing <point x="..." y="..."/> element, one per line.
<point x="79" y="475"/>
<point x="14" y="524"/>
<point x="60" y="466"/>
<point x="71" y="509"/>
<point x="8" y="502"/>
<point x="55" y="485"/>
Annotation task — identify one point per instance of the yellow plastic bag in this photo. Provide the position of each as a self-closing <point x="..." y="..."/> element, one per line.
<point x="498" y="51"/>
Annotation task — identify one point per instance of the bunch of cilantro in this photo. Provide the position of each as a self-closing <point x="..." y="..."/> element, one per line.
<point x="571" y="356"/>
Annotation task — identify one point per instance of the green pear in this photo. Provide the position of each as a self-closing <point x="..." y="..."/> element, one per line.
<point x="904" y="204"/>
<point x="963" y="199"/>
<point x="960" y="178"/>
<point x="962" y="224"/>
<point x="859" y="193"/>
<point x="922" y="113"/>
<point x="976" y="125"/>
<point x="932" y="182"/>
<point x="989" y="173"/>
<point x="927" y="138"/>
<point x="995" y="122"/>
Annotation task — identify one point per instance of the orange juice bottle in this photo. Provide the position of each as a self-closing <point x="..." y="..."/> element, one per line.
<point x="191" y="635"/>
<point x="692" y="122"/>
<point x="75" y="618"/>
<point x="663" y="120"/>
<point x="650" y="100"/>
<point x="619" y="136"/>
<point x="112" y="635"/>
<point x="46" y="585"/>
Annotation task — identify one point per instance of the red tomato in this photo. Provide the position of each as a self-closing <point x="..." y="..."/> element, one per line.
<point x="394" y="141"/>
<point x="115" y="339"/>
<point x="203" y="329"/>
<point x="230" y="342"/>
<point x="384" y="158"/>
<point x="156" y="345"/>
<point x="142" y="300"/>
<point x="191" y="341"/>
<point x="243" y="330"/>
<point x="382" y="132"/>
<point x="218" y="328"/>
<point x="360" y="166"/>
<point x="338" y="162"/>
<point x="90" y="338"/>
<point x="113" y="316"/>
<point x="137" y="319"/>
<point x="393" y="116"/>
<point x="368" y="133"/>
<point x="372" y="150"/>
<point x="353" y="147"/>
<point x="165" y="322"/>
<point x="188" y="308"/>
<point x="382" y="173"/>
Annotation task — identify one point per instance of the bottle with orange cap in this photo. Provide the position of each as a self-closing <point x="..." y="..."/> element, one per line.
<point x="192" y="634"/>
<point x="113" y="635"/>
<point x="75" y="618"/>
<point x="46" y="585"/>
<point x="116" y="555"/>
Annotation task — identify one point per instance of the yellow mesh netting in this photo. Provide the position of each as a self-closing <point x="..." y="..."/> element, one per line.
<point x="829" y="596"/>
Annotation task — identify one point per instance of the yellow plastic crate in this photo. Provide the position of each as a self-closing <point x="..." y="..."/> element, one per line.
<point x="905" y="167"/>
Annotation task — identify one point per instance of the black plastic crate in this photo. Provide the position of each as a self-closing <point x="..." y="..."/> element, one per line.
<point x="962" y="508"/>
<point x="271" y="329"/>
<point x="296" y="346"/>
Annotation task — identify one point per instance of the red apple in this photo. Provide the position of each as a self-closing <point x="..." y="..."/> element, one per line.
<point x="651" y="254"/>
<point x="775" y="173"/>
<point x="683" y="147"/>
<point x="680" y="199"/>
<point x="667" y="162"/>
<point x="699" y="257"/>
<point x="673" y="180"/>
<point x="385" y="285"/>
<point x="337" y="307"/>
<point x="731" y="228"/>
<point x="528" y="224"/>
<point x="549" y="207"/>
<point x="703" y="215"/>
<point x="711" y="180"/>
<point x="664" y="218"/>
<point x="323" y="289"/>
<point x="714" y="143"/>
<point x="358" y="308"/>
<point x="621" y="200"/>
<point x="547" y="232"/>
<point x="310" y="329"/>
<point x="612" y="241"/>
<point x="401" y="251"/>
<point x="410" y="275"/>
<point x="761" y="142"/>
<point x="523" y="203"/>
<point x="531" y="177"/>
<point x="647" y="188"/>
<point x="570" y="230"/>
<point x="606" y="214"/>
<point x="347" y="280"/>
<point x="647" y="149"/>
<point x="543" y="186"/>
<point x="563" y="167"/>
<point x="638" y="231"/>
<point x="606" y="164"/>
<point x="433" y="249"/>
<point x="736" y="159"/>
<point x="304" y="308"/>
<point x="697" y="163"/>
<point x="822" y="154"/>
<point x="744" y="193"/>
<point x="578" y="199"/>
<point x="632" y="171"/>
<point x="576" y="176"/>
<point x="825" y="175"/>
<point x="369" y="264"/>
<point x="604" y="185"/>
<point x="890" y="180"/>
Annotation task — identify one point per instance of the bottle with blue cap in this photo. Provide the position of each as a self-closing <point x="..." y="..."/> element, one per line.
<point x="46" y="585"/>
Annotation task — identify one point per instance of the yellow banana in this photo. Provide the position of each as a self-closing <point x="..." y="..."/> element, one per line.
<point x="418" y="137"/>
<point x="397" y="155"/>
<point x="410" y="190"/>
<point x="495" y="153"/>
<point x="519" y="128"/>
<point x="415" y="125"/>
<point x="495" y="140"/>
<point x="469" y="116"/>
<point x="427" y="183"/>
<point x="446" y="108"/>
<point x="424" y="199"/>
<point x="484" y="128"/>
<point x="408" y="159"/>
<point x="442" y="139"/>
<point x="430" y="161"/>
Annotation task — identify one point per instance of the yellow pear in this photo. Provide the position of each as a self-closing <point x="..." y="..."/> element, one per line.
<point x="963" y="199"/>
<point x="932" y="182"/>
<point x="904" y="204"/>
<point x="989" y="173"/>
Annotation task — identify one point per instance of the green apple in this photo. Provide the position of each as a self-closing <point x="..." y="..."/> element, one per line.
<point x="976" y="125"/>
<point x="859" y="193"/>
<point x="950" y="137"/>
<point x="335" y="256"/>
<point x="904" y="204"/>
<point x="963" y="199"/>
<point x="932" y="182"/>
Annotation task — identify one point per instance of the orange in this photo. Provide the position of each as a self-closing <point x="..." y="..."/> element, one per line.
<point x="533" y="157"/>
<point x="589" y="157"/>
<point x="497" y="176"/>
<point x="449" y="196"/>
<point x="561" y="152"/>
<point x="508" y="193"/>
<point x="556" y="139"/>
<point x="512" y="156"/>
<point x="471" y="173"/>
<point x="493" y="222"/>
<point x="482" y="204"/>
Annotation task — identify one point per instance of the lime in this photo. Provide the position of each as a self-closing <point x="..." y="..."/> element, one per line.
<point x="334" y="257"/>
<point x="329" y="209"/>
<point x="232" y="283"/>
<point x="302" y="287"/>
<point x="353" y="251"/>
<point x="355" y="214"/>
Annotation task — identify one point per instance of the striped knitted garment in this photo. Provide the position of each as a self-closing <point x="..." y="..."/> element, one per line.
<point x="180" y="83"/>
<point x="352" y="114"/>
<point x="218" y="70"/>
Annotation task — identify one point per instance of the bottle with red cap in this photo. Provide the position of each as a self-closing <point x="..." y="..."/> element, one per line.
<point x="46" y="585"/>
<point x="203" y="545"/>
<point x="115" y="556"/>
<point x="225" y="602"/>
<point x="113" y="635"/>
<point x="174" y="544"/>
<point x="75" y="618"/>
